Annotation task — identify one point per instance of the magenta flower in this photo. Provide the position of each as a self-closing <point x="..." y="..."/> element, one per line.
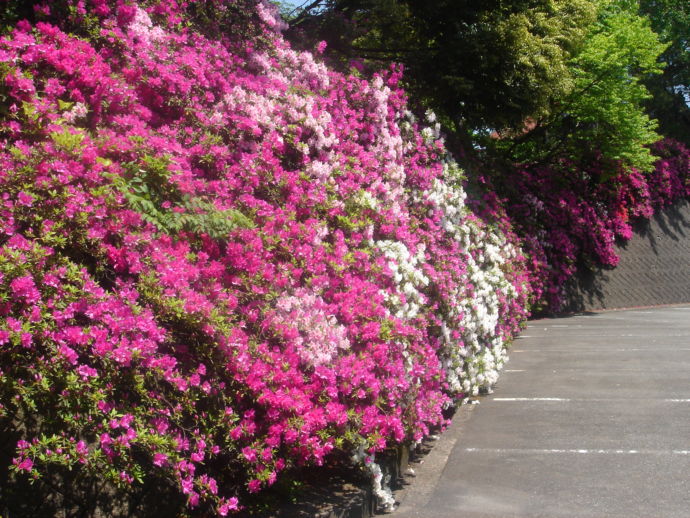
<point x="81" y="448"/>
<point x="231" y="504"/>
<point x="24" y="289"/>
<point x="24" y="464"/>
<point x="254" y="486"/>
<point x="24" y="199"/>
<point x="160" y="459"/>
<point x="249" y="453"/>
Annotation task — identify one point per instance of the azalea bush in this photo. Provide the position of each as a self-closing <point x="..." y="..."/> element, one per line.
<point x="571" y="217"/>
<point x="220" y="259"/>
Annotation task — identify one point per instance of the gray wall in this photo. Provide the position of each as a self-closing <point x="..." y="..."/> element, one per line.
<point x="654" y="267"/>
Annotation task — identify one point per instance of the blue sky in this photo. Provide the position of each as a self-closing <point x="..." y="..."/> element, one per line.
<point x="294" y="3"/>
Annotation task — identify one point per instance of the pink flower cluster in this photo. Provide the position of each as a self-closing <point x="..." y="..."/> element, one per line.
<point x="220" y="259"/>
<point x="570" y="218"/>
<point x="304" y="320"/>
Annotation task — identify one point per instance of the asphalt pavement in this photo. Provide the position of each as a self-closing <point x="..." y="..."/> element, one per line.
<point x="590" y="418"/>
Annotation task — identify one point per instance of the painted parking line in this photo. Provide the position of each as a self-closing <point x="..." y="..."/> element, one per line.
<point x="600" y="349"/>
<point x="579" y="451"/>
<point x="652" y="349"/>
<point x="588" y="400"/>
<point x="588" y="337"/>
<point x="530" y="399"/>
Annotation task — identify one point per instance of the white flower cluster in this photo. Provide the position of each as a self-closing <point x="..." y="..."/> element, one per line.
<point x="323" y="138"/>
<point x="451" y="201"/>
<point x="302" y="72"/>
<point x="433" y="132"/>
<point x="259" y="108"/>
<point x="482" y="369"/>
<point x="388" y="143"/>
<point x="406" y="125"/>
<point x="488" y="254"/>
<point x="366" y="200"/>
<point x="270" y="15"/>
<point x="475" y="353"/>
<point x="381" y="483"/>
<point x="407" y="275"/>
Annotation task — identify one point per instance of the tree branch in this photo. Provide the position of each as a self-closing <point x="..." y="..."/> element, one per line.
<point x="304" y="12"/>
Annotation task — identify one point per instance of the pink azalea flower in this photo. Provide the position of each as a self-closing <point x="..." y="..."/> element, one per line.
<point x="27" y="200"/>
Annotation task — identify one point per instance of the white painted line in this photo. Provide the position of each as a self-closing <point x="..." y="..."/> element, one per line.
<point x="530" y="399"/>
<point x="652" y="349"/>
<point x="514" y="370"/>
<point x="578" y="349"/>
<point x="532" y="451"/>
<point x="645" y="349"/>
<point x="613" y="370"/>
<point x="597" y="335"/>
<point x="587" y="400"/>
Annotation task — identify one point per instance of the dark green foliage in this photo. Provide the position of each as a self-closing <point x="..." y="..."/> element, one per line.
<point x="671" y="90"/>
<point x="12" y="12"/>
<point x="546" y="78"/>
<point x="481" y="64"/>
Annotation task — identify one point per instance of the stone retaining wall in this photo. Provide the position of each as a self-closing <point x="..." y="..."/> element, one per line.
<point x="654" y="267"/>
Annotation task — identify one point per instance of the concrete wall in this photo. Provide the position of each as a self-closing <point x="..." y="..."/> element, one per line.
<point x="654" y="267"/>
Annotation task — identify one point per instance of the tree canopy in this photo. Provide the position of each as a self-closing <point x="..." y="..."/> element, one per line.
<point x="488" y="64"/>
<point x="603" y="114"/>
<point x="671" y="90"/>
<point x="549" y="77"/>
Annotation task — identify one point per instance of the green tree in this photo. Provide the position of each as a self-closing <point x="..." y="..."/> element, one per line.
<point x="552" y="78"/>
<point x="486" y="64"/>
<point x="603" y="116"/>
<point x="671" y="90"/>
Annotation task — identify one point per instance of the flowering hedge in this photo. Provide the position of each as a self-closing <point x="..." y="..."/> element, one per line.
<point x="220" y="259"/>
<point x="569" y="217"/>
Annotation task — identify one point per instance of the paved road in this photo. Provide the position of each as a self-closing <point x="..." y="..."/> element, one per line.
<point x="591" y="418"/>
